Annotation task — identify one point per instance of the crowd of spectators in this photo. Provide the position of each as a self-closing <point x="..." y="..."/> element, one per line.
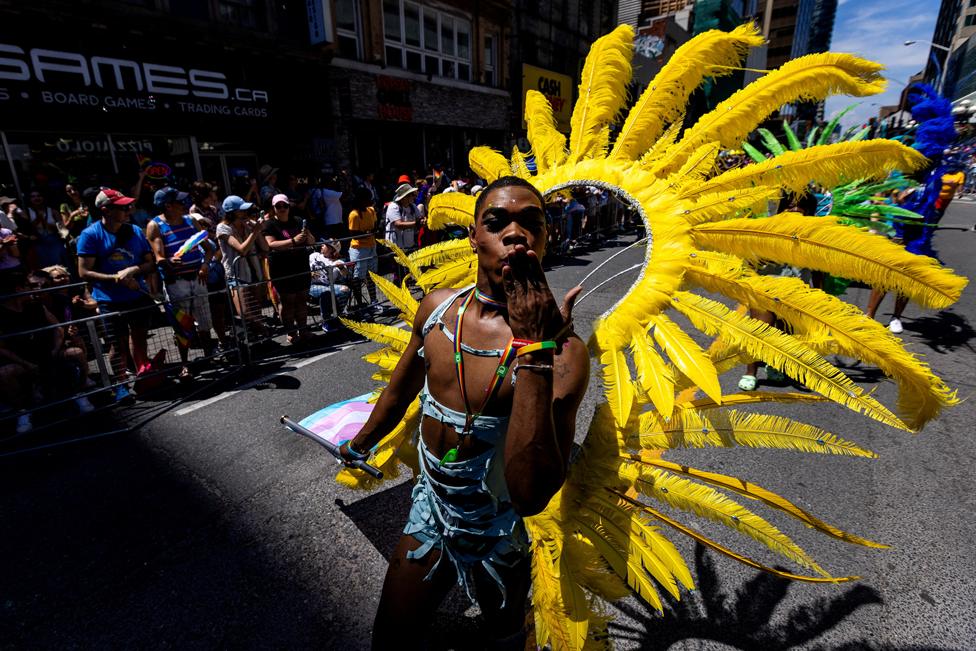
<point x="117" y="265"/>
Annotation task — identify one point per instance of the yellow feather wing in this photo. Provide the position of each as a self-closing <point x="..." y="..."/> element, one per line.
<point x="548" y="145"/>
<point x="828" y="165"/>
<point x="452" y="274"/>
<point x="602" y="93"/>
<point x="393" y="337"/>
<point x="783" y="352"/>
<point x="712" y="53"/>
<point x="767" y="497"/>
<point x="687" y="355"/>
<point x="812" y="77"/>
<point x="519" y="167"/>
<point x="709" y="503"/>
<point x="399" y="296"/>
<point x="922" y="395"/>
<point x="654" y="375"/>
<point x="401" y="257"/>
<point x="711" y="544"/>
<point x="488" y="164"/>
<point x="846" y="252"/>
<point x="692" y="429"/>
<point x="441" y="252"/>
<point x="451" y="208"/>
<point x="618" y="384"/>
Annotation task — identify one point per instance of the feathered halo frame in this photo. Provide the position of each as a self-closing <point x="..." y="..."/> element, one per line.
<point x="598" y="538"/>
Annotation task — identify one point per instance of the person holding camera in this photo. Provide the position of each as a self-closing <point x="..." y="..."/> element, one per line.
<point x="288" y="239"/>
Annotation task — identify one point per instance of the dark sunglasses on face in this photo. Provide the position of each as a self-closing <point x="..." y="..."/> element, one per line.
<point x="282" y="206"/>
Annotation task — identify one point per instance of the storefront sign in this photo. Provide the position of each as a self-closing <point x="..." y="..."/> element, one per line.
<point x="393" y="98"/>
<point x="59" y="78"/>
<point x="557" y="88"/>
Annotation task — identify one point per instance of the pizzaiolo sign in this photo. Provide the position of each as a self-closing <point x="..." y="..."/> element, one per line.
<point x="54" y="77"/>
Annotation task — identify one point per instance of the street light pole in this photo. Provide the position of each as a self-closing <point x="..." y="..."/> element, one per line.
<point x="942" y="72"/>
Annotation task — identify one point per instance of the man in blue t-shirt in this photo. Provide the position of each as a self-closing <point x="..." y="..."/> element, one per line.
<point x="114" y="257"/>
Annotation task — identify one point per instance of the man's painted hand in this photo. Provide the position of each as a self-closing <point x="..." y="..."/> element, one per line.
<point x="532" y="310"/>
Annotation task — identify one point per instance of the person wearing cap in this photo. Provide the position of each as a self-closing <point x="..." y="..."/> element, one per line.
<point x="362" y="249"/>
<point x="115" y="257"/>
<point x="330" y="277"/>
<point x="10" y="214"/>
<point x="403" y="218"/>
<point x="184" y="277"/>
<point x="237" y="238"/>
<point x="288" y="239"/>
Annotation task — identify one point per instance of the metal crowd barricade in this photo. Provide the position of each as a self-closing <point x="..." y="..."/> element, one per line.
<point x="83" y="368"/>
<point x="252" y="320"/>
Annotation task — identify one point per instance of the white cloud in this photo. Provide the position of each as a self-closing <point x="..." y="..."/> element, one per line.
<point x="876" y="30"/>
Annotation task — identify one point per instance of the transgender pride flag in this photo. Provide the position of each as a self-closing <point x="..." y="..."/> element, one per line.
<point x="340" y="421"/>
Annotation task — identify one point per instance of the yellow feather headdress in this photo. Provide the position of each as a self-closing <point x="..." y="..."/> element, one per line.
<point x="600" y="536"/>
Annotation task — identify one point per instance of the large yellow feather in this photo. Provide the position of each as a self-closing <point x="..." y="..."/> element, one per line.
<point x="451" y="208"/>
<point x="548" y="145"/>
<point x="488" y="163"/>
<point x="922" y="395"/>
<point x="392" y="336"/>
<point x="519" y="167"/>
<point x="812" y="77"/>
<point x="767" y="497"/>
<point x="654" y="375"/>
<point x="662" y="144"/>
<point x="401" y="257"/>
<point x="399" y="296"/>
<point x="782" y="352"/>
<point x="711" y="544"/>
<point x="687" y="355"/>
<point x="452" y="274"/>
<point x="707" y="502"/>
<point x="711" y="53"/>
<point x="602" y="93"/>
<point x="828" y="165"/>
<point x="691" y="429"/>
<point x="441" y="252"/>
<point x="843" y="251"/>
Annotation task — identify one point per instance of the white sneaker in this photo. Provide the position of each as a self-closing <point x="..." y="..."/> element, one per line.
<point x="24" y="424"/>
<point x="84" y="406"/>
<point x="895" y="326"/>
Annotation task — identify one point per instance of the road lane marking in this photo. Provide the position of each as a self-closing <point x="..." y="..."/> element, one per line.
<point x="189" y="409"/>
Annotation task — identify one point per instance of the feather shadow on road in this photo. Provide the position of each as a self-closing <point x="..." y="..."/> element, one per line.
<point x="943" y="332"/>
<point x="742" y="621"/>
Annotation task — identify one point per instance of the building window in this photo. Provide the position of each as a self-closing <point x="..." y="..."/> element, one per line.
<point x="972" y="3"/>
<point x="348" y="28"/>
<point x="490" y="60"/>
<point x="425" y="40"/>
<point x="970" y="20"/>
<point x="243" y="13"/>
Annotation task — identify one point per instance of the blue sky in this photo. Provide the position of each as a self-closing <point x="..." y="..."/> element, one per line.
<point x="877" y="30"/>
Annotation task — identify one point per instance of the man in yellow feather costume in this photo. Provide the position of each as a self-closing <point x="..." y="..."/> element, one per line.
<point x="475" y="356"/>
<point x="599" y="538"/>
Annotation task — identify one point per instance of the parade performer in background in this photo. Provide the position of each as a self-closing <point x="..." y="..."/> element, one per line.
<point x="942" y="177"/>
<point x="599" y="538"/>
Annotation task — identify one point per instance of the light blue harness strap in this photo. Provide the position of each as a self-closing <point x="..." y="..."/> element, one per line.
<point x="435" y="319"/>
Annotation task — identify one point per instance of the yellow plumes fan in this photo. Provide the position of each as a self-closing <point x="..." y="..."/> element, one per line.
<point x="600" y="536"/>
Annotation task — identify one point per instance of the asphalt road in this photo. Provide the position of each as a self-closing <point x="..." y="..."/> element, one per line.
<point x="211" y="526"/>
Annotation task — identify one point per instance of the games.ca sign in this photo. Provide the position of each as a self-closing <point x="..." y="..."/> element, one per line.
<point x="56" y="78"/>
